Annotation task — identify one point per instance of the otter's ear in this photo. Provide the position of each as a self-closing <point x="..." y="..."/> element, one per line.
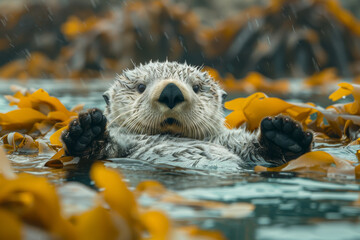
<point x="223" y="96"/>
<point x="106" y="98"/>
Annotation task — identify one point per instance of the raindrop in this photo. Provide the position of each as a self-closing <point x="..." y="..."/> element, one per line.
<point x="8" y="38"/>
<point x="316" y="65"/>
<point x="138" y="45"/>
<point x="3" y="21"/>
<point x="257" y="23"/>
<point x="26" y="7"/>
<point x="27" y="54"/>
<point x="182" y="44"/>
<point x="50" y="14"/>
<point x="93" y="3"/>
<point x="268" y="39"/>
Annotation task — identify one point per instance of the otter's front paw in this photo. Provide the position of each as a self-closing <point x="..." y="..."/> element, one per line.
<point x="283" y="137"/>
<point x="84" y="133"/>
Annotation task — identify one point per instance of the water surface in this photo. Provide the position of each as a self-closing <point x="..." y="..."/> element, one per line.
<point x="288" y="205"/>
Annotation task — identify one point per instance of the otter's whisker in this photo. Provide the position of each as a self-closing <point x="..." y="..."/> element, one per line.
<point x="117" y="117"/>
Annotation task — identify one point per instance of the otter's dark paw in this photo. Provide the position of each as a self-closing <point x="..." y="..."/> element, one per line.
<point x="283" y="137"/>
<point x="84" y="133"/>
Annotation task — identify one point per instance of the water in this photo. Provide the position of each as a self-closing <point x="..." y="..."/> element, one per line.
<point x="288" y="205"/>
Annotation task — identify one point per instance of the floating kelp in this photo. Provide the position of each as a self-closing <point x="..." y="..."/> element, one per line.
<point x="340" y="121"/>
<point x="320" y="162"/>
<point x="36" y="126"/>
<point x="32" y="209"/>
<point x="77" y="40"/>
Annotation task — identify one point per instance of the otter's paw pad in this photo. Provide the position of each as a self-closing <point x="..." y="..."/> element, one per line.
<point x="286" y="133"/>
<point x="89" y="126"/>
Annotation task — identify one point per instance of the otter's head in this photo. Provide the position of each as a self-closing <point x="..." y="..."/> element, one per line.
<point x="165" y="98"/>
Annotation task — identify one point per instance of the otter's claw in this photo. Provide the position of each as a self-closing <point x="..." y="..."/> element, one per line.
<point x="283" y="137"/>
<point x="84" y="132"/>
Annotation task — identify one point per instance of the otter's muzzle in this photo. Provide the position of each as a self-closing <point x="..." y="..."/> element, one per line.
<point x="171" y="96"/>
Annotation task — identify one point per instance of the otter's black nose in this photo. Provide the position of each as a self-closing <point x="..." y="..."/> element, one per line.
<point x="171" y="96"/>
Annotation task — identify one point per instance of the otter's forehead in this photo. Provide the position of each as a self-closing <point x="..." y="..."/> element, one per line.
<point x="156" y="71"/>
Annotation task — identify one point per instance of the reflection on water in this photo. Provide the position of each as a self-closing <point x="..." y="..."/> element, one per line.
<point x="288" y="205"/>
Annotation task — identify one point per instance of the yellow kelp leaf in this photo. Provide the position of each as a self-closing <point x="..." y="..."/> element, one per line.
<point x="5" y="166"/>
<point x="151" y="187"/>
<point x="322" y="78"/>
<point x="256" y="82"/>
<point x="55" y="138"/>
<point x="96" y="224"/>
<point x="15" y="141"/>
<point x="190" y="232"/>
<point x="259" y="108"/>
<point x="58" y="116"/>
<point x="41" y="128"/>
<point x="12" y="69"/>
<point x="20" y="118"/>
<point x="116" y="193"/>
<point x="12" y="139"/>
<point x="36" y="202"/>
<point x="54" y="163"/>
<point x="42" y="101"/>
<point x="312" y="161"/>
<point x="61" y="162"/>
<point x="344" y="16"/>
<point x="231" y="84"/>
<point x="157" y="224"/>
<point x="39" y="64"/>
<point x="240" y="103"/>
<point x="60" y="159"/>
<point x="317" y="161"/>
<point x="236" y="104"/>
<point x="237" y="117"/>
<point x="74" y="26"/>
<point x="59" y="154"/>
<point x="347" y="89"/>
<point x="11" y="226"/>
<point x="344" y="90"/>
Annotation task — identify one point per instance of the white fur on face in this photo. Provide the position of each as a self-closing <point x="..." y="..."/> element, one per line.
<point x="199" y="116"/>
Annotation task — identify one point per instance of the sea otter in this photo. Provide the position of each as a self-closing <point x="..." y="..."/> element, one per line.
<point x="169" y="112"/>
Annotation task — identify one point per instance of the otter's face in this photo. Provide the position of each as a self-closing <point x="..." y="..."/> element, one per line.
<point x="165" y="98"/>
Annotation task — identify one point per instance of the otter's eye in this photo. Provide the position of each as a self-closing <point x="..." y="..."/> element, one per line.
<point x="196" y="88"/>
<point x="141" y="88"/>
<point x="223" y="96"/>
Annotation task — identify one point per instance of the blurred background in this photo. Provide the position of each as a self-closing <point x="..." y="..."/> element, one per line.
<point x="298" y="50"/>
<point x="85" y="39"/>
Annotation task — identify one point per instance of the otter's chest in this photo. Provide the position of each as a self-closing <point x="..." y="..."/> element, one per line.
<point x="181" y="152"/>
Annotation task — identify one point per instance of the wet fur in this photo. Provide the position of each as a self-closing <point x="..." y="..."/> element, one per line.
<point x="200" y="138"/>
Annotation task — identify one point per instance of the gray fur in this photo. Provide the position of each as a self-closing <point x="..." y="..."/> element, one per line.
<point x="202" y="140"/>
